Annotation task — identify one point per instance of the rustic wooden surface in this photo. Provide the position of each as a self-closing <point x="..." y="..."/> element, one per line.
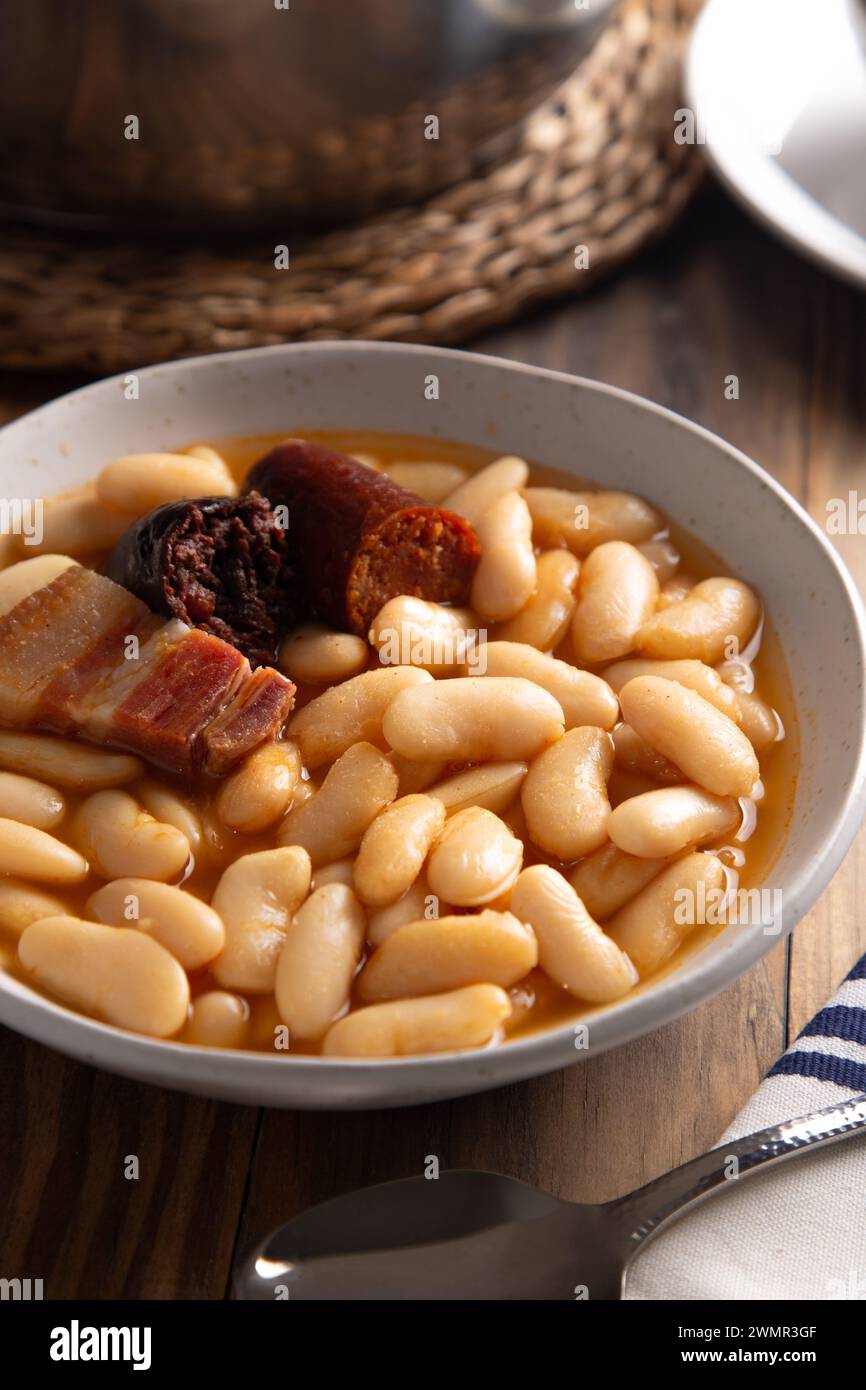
<point x="720" y="297"/>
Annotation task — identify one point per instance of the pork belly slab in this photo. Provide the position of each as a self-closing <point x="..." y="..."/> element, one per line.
<point x="82" y="656"/>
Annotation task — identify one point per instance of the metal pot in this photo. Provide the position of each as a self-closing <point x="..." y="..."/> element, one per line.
<point x="220" y="115"/>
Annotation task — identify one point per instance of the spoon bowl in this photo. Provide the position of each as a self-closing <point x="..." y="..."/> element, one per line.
<point x="463" y="1235"/>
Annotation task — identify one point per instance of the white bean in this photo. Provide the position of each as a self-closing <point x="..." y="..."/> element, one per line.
<point x="493" y="786"/>
<point x="303" y="791"/>
<point x="164" y="804"/>
<point x="661" y="823"/>
<point x="758" y="720"/>
<point x="475" y="860"/>
<point x="318" y="961"/>
<point x="583" y="520"/>
<point x="121" y="839"/>
<point x="394" y="847"/>
<point x="178" y="920"/>
<point x="317" y="656"/>
<point x="77" y="523"/>
<point x="663" y="556"/>
<point x="674" y="589"/>
<point x="350" y="713"/>
<point x="652" y="926"/>
<point x="410" y="631"/>
<point x="505" y="578"/>
<point x="256" y="899"/>
<point x="340" y="871"/>
<point x="607" y="879"/>
<point x="696" y="675"/>
<point x="451" y="1022"/>
<point x="585" y="698"/>
<point x="34" y="803"/>
<point x="206" y="452"/>
<point x="618" y="592"/>
<point x="137" y="483"/>
<point x="331" y="823"/>
<point x="696" y="736"/>
<point x="260" y="792"/>
<point x="66" y="762"/>
<point x="472" y="719"/>
<point x="715" y="615"/>
<point x="432" y="481"/>
<point x="218" y="1019"/>
<point x="564" y="796"/>
<point x="31" y="853"/>
<point x="120" y="976"/>
<point x="214" y="841"/>
<point x="472" y="499"/>
<point x="428" y="957"/>
<point x="416" y="903"/>
<point x="21" y="904"/>
<point x="572" y="948"/>
<point x="545" y="619"/>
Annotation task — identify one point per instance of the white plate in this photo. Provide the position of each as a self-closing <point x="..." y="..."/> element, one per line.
<point x="581" y="427"/>
<point x="778" y="88"/>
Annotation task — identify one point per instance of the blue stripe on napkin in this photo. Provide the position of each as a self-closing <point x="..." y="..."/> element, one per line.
<point x="823" y="1067"/>
<point x="845" y="1022"/>
<point x="838" y="1021"/>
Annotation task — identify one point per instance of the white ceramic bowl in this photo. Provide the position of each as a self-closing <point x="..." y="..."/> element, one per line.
<point x="580" y="426"/>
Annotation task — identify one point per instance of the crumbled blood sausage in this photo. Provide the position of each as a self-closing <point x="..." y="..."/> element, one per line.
<point x="217" y="563"/>
<point x="356" y="539"/>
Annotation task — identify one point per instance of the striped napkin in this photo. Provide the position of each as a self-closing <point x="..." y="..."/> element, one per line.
<point x="798" y="1231"/>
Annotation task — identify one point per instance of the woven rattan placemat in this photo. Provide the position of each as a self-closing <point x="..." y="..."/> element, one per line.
<point x="598" y="167"/>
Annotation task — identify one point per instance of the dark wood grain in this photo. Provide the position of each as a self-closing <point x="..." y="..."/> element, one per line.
<point x="720" y="297"/>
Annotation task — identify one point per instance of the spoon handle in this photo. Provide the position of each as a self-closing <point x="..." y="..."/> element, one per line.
<point x="645" y="1212"/>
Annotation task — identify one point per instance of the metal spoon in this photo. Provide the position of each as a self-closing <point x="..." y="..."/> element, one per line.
<point x="473" y="1235"/>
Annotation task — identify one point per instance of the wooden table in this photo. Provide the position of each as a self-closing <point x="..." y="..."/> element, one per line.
<point x="719" y="297"/>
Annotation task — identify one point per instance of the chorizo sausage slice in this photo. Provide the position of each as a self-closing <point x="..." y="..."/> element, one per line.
<point x="356" y="539"/>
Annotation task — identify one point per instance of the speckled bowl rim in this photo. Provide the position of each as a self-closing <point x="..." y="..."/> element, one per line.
<point x="325" y="1083"/>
